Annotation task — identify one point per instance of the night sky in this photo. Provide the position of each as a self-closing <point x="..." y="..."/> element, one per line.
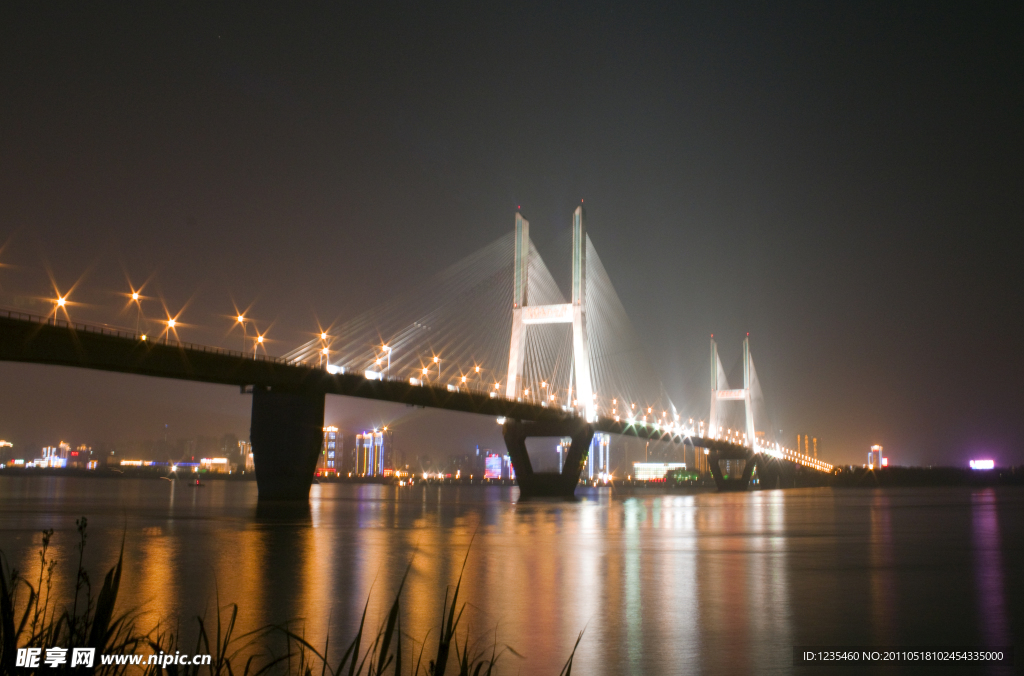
<point x="844" y="181"/>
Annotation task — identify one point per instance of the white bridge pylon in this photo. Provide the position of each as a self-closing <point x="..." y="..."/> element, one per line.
<point x="524" y="314"/>
<point x="743" y="394"/>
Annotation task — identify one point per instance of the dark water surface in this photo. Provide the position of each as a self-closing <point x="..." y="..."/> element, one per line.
<point x="663" y="584"/>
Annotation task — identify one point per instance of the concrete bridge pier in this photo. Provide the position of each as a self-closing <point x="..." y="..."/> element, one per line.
<point x="548" y="484"/>
<point x="732" y="482"/>
<point x="287" y="436"/>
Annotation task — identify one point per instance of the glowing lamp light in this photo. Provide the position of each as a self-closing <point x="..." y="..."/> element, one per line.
<point x="61" y="302"/>
<point x="171" y="323"/>
<point x="259" y="339"/>
<point x="983" y="464"/>
<point x="435" y="360"/>
<point x="885" y="462"/>
<point x="241" y="319"/>
<point x="424" y="371"/>
<point x="478" y="369"/>
<point x="323" y="335"/>
<point x="135" y="295"/>
<point x="463" y="378"/>
<point x="326" y="351"/>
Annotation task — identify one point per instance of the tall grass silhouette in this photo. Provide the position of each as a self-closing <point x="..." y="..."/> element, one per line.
<point x="30" y="618"/>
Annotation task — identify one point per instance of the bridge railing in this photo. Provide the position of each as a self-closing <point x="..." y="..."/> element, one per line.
<point x="119" y="332"/>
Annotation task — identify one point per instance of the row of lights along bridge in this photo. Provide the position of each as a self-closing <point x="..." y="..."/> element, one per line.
<point x="475" y="381"/>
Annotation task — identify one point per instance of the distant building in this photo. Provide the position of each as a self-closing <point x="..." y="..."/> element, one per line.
<point x="492" y="466"/>
<point x="875" y="459"/>
<point x="51" y="457"/>
<point x="330" y="452"/>
<point x="655" y="471"/>
<point x="80" y="457"/>
<point x="369" y="454"/>
<point x="215" y="465"/>
<point x="245" y="450"/>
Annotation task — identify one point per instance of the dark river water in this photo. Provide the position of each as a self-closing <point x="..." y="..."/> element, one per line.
<point x="659" y="583"/>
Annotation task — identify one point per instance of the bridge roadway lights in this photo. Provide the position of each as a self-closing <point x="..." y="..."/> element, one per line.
<point x="548" y="484"/>
<point x="287" y="436"/>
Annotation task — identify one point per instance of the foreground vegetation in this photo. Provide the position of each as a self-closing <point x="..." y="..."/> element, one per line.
<point x="30" y="619"/>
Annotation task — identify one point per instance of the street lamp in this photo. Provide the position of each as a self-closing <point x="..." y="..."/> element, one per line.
<point x="170" y="327"/>
<point x="259" y="341"/>
<point x="388" y="351"/>
<point x="241" y="320"/>
<point x="136" y="298"/>
<point x="437" y="361"/>
<point x="60" y="303"/>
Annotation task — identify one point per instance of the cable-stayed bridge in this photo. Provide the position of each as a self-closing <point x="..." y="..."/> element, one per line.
<point x="492" y="334"/>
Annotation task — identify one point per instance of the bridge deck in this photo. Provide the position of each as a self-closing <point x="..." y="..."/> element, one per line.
<point x="30" y="339"/>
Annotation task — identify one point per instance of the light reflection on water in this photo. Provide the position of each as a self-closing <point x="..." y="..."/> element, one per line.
<point x="705" y="583"/>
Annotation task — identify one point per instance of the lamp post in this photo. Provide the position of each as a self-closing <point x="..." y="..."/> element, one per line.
<point x="259" y="341"/>
<point x="387" y="350"/>
<point x="61" y="304"/>
<point x="170" y="326"/>
<point x="241" y="320"/>
<point x="437" y="360"/>
<point x="137" y="299"/>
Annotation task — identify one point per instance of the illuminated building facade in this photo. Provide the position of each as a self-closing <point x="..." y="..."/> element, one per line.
<point x="492" y="466"/>
<point x="875" y="459"/>
<point x="79" y="457"/>
<point x="330" y="455"/>
<point x="215" y="465"/>
<point x="52" y="456"/>
<point x="245" y="450"/>
<point x="369" y="454"/>
<point x="655" y="471"/>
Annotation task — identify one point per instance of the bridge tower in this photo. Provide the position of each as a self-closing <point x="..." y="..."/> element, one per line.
<point x="524" y="314"/>
<point x="748" y="457"/>
<point x="743" y="394"/>
<point x="581" y="432"/>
